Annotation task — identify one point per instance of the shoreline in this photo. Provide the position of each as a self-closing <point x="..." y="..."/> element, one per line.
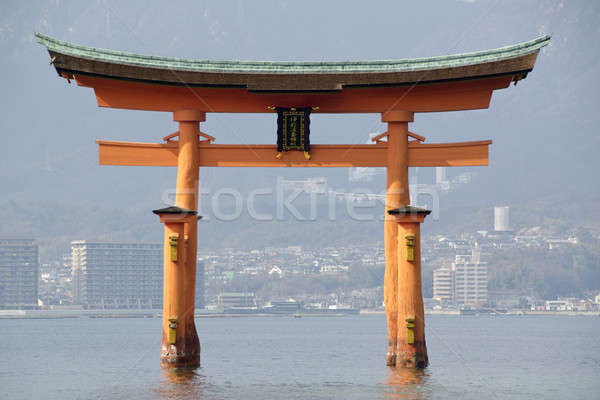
<point x="64" y="314"/>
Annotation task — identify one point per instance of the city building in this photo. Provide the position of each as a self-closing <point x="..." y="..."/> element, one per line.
<point x="464" y="283"/>
<point x="199" y="285"/>
<point x="441" y="181"/>
<point x="310" y="185"/>
<point x="19" y="270"/>
<point x="443" y="285"/>
<point x="440" y="175"/>
<point x="334" y="269"/>
<point x="288" y="306"/>
<point x="122" y="275"/>
<point x="559" y="305"/>
<point x="502" y="219"/>
<point x="117" y="275"/>
<point x="233" y="300"/>
<point x="470" y="279"/>
<point x="55" y="284"/>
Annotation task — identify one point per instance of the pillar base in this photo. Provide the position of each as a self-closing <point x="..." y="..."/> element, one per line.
<point x="390" y="360"/>
<point x="191" y="360"/>
<point x="413" y="356"/>
<point x="181" y="355"/>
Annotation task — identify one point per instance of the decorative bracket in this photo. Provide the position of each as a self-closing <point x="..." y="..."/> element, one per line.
<point x="415" y="136"/>
<point x="201" y="134"/>
<point x="377" y="139"/>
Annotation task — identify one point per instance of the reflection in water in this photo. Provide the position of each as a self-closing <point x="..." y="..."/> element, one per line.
<point x="406" y="383"/>
<point x="182" y="383"/>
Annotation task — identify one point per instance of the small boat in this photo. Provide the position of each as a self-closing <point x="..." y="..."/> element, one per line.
<point x="297" y="315"/>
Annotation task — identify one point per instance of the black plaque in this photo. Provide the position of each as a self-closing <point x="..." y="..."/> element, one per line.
<point x="293" y="129"/>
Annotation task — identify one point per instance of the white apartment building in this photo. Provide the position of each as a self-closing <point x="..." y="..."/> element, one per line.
<point x="443" y="285"/>
<point x="117" y="275"/>
<point x="470" y="280"/>
<point x="464" y="284"/>
<point x="19" y="273"/>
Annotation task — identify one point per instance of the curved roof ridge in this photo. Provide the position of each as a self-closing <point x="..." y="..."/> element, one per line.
<point x="322" y="67"/>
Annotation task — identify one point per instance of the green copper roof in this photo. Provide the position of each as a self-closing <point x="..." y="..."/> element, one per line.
<point x="415" y="64"/>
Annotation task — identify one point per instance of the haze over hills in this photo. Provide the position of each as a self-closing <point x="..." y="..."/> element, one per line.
<point x="543" y="161"/>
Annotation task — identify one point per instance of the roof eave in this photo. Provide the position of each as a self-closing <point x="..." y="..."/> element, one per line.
<point x="296" y="68"/>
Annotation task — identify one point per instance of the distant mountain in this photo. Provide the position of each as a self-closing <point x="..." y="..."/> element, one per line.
<point x="544" y="155"/>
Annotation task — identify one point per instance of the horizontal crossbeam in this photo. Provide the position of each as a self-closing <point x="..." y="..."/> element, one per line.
<point x="323" y="155"/>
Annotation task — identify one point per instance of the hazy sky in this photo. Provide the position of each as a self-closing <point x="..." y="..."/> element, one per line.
<point x="544" y="129"/>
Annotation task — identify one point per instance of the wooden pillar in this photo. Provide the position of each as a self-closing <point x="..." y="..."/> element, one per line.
<point x="176" y="350"/>
<point x="397" y="195"/>
<point x="411" y="350"/>
<point x="186" y="197"/>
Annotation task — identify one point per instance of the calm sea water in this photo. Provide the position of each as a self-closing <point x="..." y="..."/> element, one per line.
<point x="519" y="357"/>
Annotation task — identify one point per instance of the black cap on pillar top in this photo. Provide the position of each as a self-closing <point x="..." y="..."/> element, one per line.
<point x="174" y="210"/>
<point x="409" y="210"/>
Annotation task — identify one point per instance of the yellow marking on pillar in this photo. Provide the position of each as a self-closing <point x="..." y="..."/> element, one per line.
<point x="410" y="248"/>
<point x="410" y="326"/>
<point x="172" y="330"/>
<point x="174" y="243"/>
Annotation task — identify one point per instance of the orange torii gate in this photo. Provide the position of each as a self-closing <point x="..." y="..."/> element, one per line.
<point x="394" y="89"/>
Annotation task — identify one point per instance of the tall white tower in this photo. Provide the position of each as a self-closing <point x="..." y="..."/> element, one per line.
<point x="440" y="175"/>
<point x="501" y="219"/>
